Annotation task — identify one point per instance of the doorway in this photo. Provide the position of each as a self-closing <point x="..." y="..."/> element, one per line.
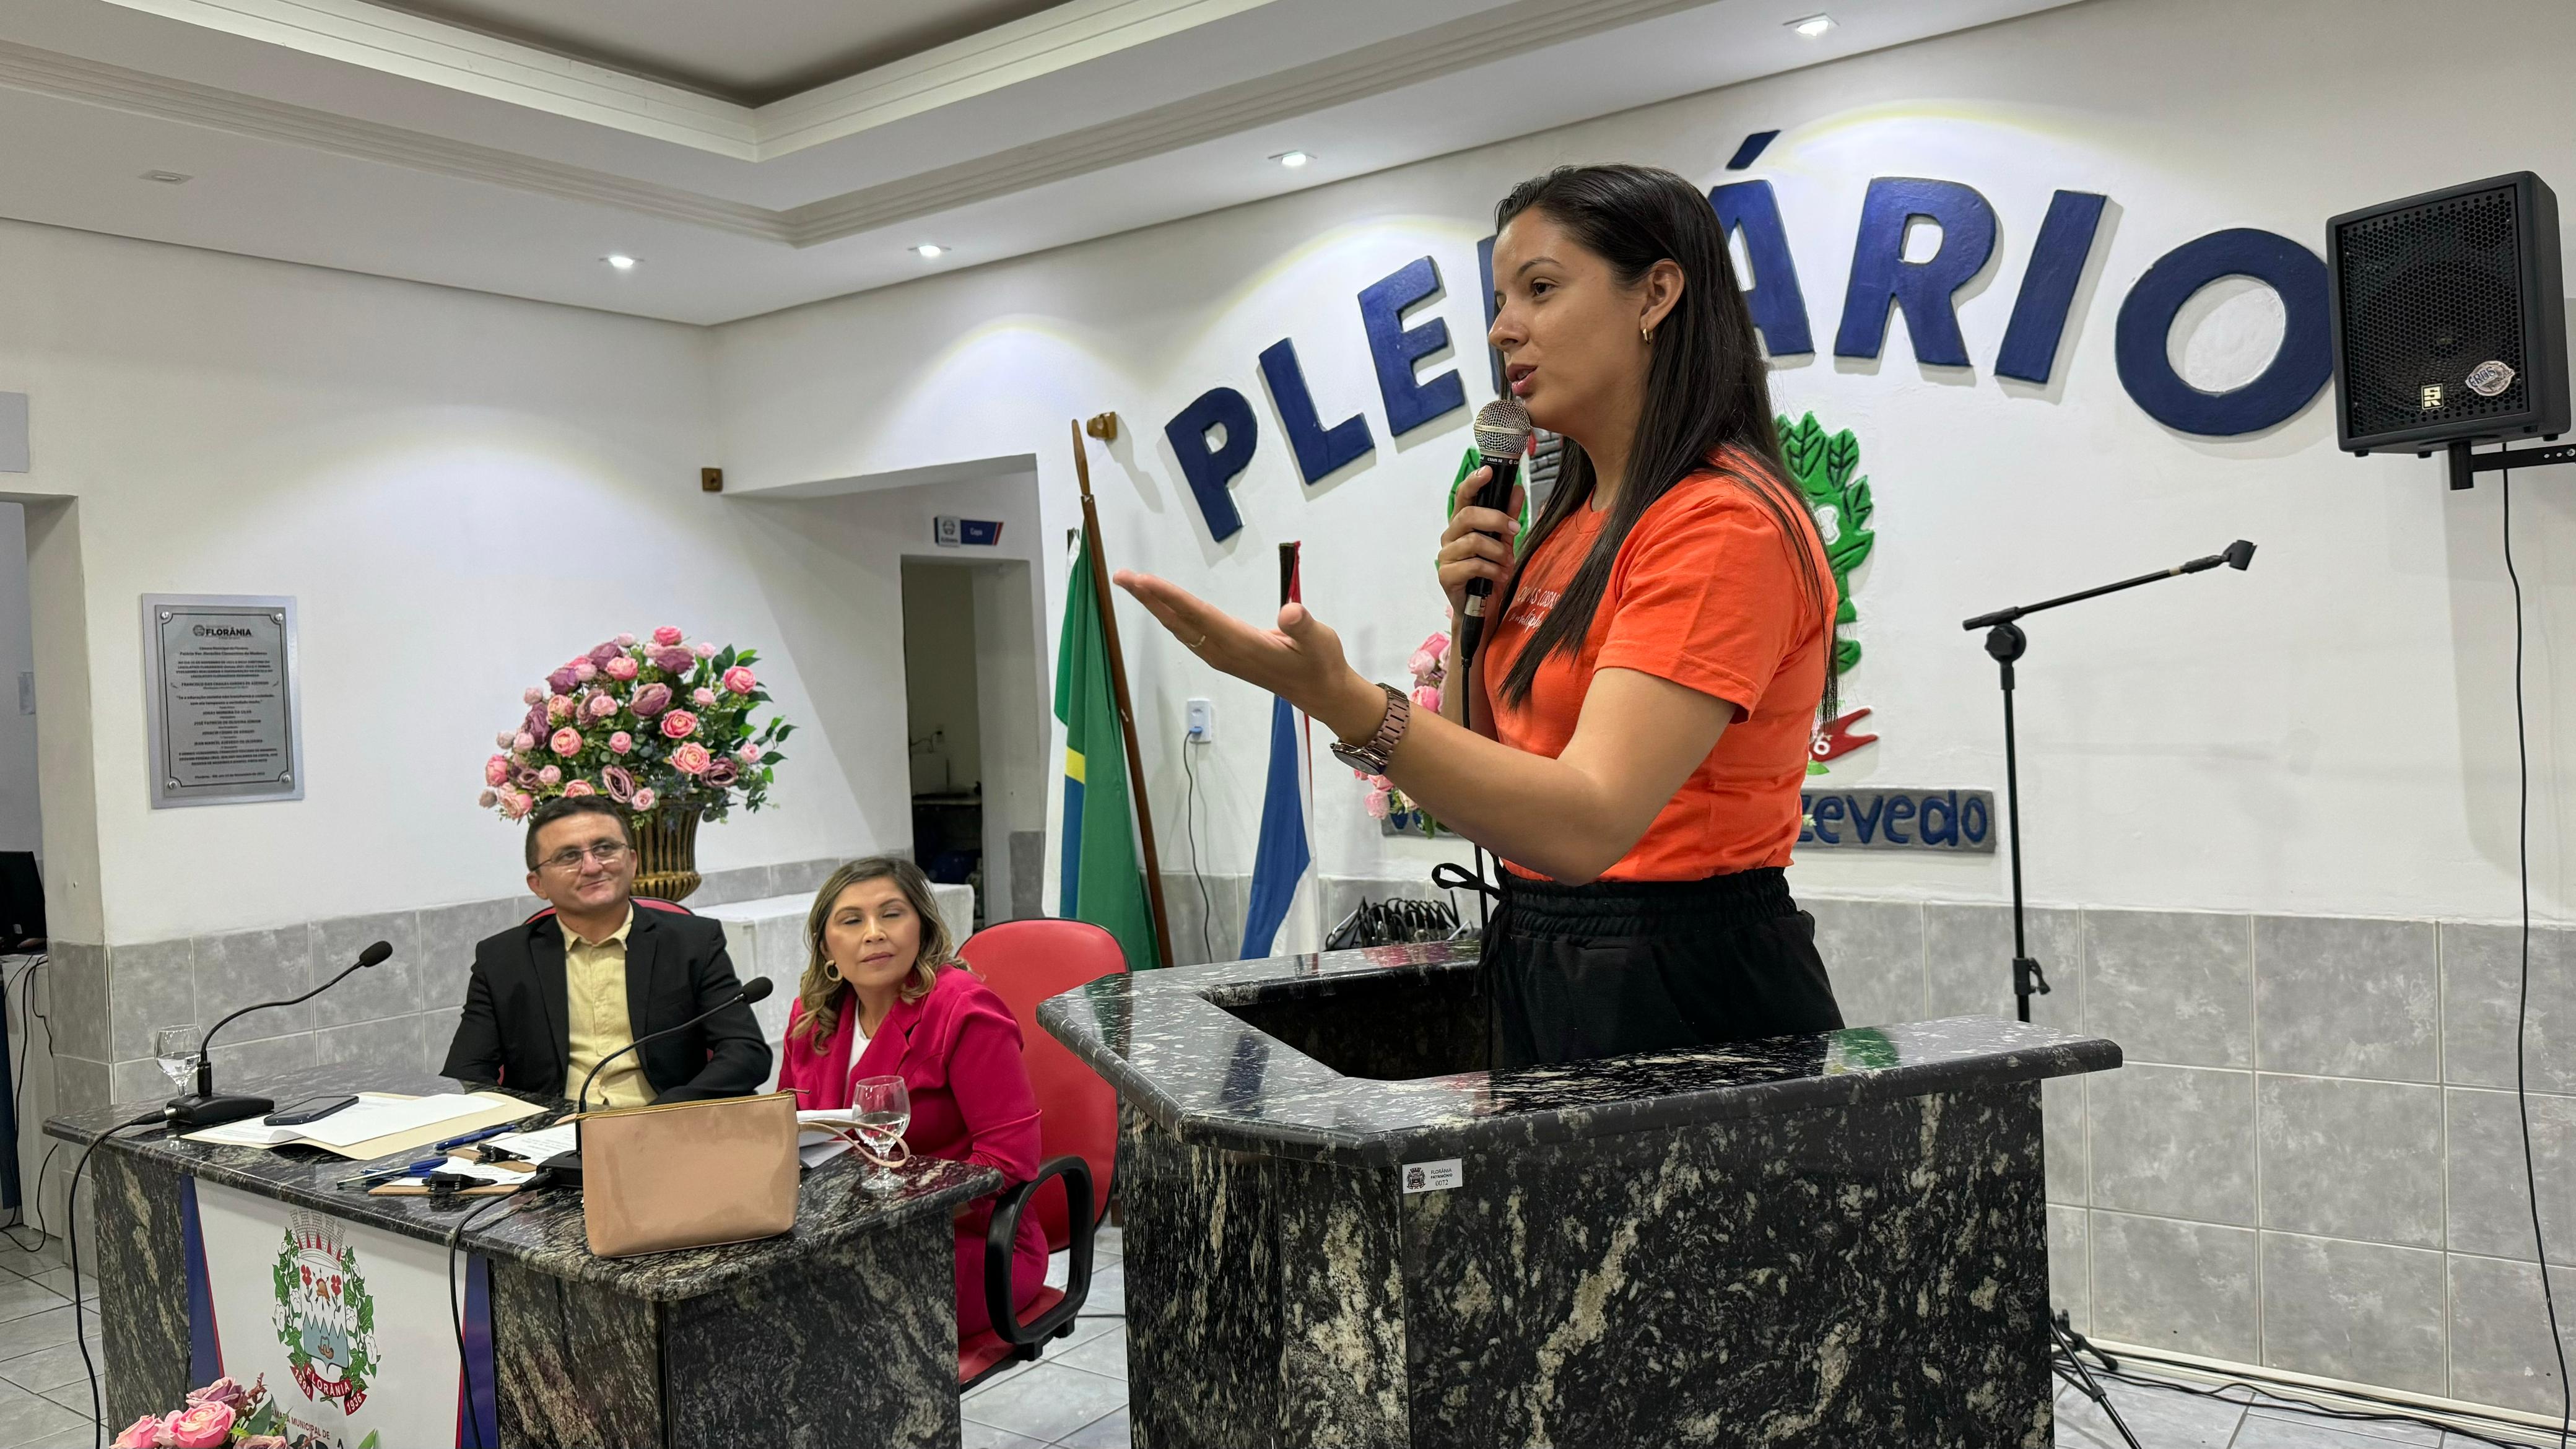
<point x="969" y="666"/>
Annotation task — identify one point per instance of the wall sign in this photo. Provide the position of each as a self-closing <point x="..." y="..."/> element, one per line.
<point x="1957" y="822"/>
<point x="220" y="682"/>
<point x="1216" y="436"/>
<point x="949" y="531"/>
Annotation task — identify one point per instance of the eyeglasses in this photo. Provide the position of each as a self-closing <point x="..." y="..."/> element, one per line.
<point x="607" y="852"/>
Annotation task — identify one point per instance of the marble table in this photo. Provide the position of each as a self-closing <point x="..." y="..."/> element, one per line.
<point x="1343" y="1230"/>
<point x="841" y="1332"/>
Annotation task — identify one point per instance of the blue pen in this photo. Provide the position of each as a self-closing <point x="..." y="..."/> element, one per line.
<point x="389" y="1174"/>
<point x="473" y="1137"/>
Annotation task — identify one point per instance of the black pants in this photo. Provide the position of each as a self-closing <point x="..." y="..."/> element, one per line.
<point x="1615" y="967"/>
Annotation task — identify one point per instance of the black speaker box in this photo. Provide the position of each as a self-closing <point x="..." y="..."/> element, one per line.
<point x="2450" y="322"/>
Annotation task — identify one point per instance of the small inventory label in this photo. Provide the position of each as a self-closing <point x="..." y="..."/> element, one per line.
<point x="1433" y="1176"/>
<point x="2490" y="379"/>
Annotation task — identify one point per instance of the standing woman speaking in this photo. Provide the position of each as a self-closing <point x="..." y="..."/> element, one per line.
<point x="1632" y="737"/>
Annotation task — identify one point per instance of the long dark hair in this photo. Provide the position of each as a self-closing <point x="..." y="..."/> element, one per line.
<point x="1707" y="389"/>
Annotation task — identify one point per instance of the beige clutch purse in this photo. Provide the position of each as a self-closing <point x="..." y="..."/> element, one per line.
<point x="688" y="1175"/>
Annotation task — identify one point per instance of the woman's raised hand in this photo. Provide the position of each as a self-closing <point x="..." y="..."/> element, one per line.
<point x="1477" y="543"/>
<point x="1300" y="660"/>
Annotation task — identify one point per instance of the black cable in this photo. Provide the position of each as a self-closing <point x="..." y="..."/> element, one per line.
<point x="71" y="1206"/>
<point x="1190" y="827"/>
<point x="2522" y="1004"/>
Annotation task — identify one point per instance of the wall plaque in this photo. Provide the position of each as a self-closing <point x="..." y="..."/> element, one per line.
<point x="1960" y="822"/>
<point x="220" y="680"/>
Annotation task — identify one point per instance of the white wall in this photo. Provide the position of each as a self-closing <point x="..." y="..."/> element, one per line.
<point x="461" y="491"/>
<point x="2329" y="733"/>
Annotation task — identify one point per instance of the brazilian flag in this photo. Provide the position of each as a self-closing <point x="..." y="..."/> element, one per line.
<point x="1103" y="883"/>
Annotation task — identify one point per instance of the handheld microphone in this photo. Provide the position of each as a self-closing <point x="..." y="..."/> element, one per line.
<point x="1502" y="436"/>
<point x="566" y="1166"/>
<point x="203" y="1108"/>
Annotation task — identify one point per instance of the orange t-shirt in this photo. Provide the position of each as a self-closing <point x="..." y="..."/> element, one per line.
<point x="1708" y="594"/>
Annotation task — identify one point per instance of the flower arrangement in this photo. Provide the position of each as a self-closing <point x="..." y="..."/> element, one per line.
<point x="1429" y="668"/>
<point x="663" y="725"/>
<point x="222" y="1413"/>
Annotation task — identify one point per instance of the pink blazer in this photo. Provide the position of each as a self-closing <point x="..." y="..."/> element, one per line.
<point x="958" y="1052"/>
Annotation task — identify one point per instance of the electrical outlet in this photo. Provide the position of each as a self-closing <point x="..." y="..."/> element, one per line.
<point x="1201" y="721"/>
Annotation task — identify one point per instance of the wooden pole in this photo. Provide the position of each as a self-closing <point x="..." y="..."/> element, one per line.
<point x="1118" y="693"/>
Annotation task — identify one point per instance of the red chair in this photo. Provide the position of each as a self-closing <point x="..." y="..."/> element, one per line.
<point x="649" y="903"/>
<point x="1025" y="962"/>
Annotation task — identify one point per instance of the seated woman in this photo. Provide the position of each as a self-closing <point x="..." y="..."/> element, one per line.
<point x="884" y="995"/>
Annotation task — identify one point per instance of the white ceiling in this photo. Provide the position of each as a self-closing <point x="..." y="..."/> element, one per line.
<point x="787" y="45"/>
<point x="354" y="135"/>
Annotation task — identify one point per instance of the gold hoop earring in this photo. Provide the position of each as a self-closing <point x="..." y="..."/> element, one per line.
<point x="831" y="970"/>
<point x="1645" y="334"/>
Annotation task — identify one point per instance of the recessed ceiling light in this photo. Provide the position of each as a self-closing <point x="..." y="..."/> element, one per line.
<point x="168" y="178"/>
<point x="930" y="251"/>
<point x="1292" y="159"/>
<point x="620" y="261"/>
<point x="1813" y="25"/>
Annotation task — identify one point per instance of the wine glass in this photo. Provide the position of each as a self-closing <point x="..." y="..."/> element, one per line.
<point x="178" y="1048"/>
<point x="880" y="1110"/>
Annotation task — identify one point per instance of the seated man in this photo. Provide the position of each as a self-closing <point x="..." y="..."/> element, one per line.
<point x="551" y="998"/>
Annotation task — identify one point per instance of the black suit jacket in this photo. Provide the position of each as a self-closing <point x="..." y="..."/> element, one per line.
<point x="517" y="1026"/>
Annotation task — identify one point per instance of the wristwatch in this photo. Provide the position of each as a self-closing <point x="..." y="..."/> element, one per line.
<point x="1370" y="756"/>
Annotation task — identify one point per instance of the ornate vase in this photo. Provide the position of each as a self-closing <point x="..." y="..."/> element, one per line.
<point x="666" y="853"/>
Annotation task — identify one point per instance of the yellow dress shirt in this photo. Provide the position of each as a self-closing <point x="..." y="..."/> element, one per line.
<point x="595" y="1001"/>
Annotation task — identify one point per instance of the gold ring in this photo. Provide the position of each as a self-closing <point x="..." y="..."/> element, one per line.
<point x="1194" y="648"/>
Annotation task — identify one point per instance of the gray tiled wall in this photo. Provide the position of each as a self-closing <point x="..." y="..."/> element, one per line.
<point x="2313" y="1160"/>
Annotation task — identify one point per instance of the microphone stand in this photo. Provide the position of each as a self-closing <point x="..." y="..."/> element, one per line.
<point x="2006" y="643"/>
<point x="205" y="1107"/>
<point x="566" y="1166"/>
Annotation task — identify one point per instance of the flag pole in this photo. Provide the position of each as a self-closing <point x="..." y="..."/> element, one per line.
<point x="1118" y="695"/>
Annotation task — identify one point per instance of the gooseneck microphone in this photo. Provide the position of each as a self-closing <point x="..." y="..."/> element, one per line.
<point x="203" y="1107"/>
<point x="566" y="1166"/>
<point x="1502" y="436"/>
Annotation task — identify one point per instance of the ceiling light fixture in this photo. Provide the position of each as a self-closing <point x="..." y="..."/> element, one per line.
<point x="620" y="261"/>
<point x="169" y="178"/>
<point x="930" y="251"/>
<point x="1292" y="159"/>
<point x="1813" y="25"/>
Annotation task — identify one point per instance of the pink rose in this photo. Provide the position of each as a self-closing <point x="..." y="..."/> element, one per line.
<point x="516" y="807"/>
<point x="550" y="775"/>
<point x="487" y="799"/>
<point x="679" y="724"/>
<point x="691" y="759"/>
<point x="585" y="671"/>
<point x="666" y="635"/>
<point x="561" y="681"/>
<point x="702" y="696"/>
<point x="739" y="680"/>
<point x="523" y="741"/>
<point x="1427" y="659"/>
<point x="748" y="754"/>
<point x="651" y="700"/>
<point x="496" y="770"/>
<point x="226" y="1391"/>
<point x="621" y="742"/>
<point x="622" y="668"/>
<point x="504" y="738"/>
<point x="625" y="641"/>
<point x="1378" y="802"/>
<point x="199" y="1426"/>
<point x="536" y="694"/>
<point x="705" y="649"/>
<point x="143" y="1433"/>
<point x="619" y="784"/>
<point x="722" y="771"/>
<point x="601" y="706"/>
<point x="559" y="709"/>
<point x="262" y="1441"/>
<point x="600" y="654"/>
<point x="1426" y="698"/>
<point x="674" y="661"/>
<point x="566" y="742"/>
<point x="643" y="800"/>
<point x="581" y="787"/>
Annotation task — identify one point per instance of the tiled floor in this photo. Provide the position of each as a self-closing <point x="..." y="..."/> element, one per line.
<point x="1076" y="1397"/>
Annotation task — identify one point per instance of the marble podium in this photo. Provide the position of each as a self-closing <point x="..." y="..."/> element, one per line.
<point x="1343" y="1230"/>
<point x="843" y="1332"/>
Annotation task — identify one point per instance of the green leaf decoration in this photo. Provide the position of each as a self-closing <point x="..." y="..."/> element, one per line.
<point x="1825" y="468"/>
<point x="369" y="1442"/>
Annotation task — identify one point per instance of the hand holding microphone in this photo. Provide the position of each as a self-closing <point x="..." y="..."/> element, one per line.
<point x="1476" y="549"/>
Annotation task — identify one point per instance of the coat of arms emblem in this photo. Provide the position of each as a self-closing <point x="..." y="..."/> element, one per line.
<point x="326" y="1319"/>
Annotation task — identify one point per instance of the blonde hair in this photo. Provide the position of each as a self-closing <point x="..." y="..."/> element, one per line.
<point x="818" y="991"/>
